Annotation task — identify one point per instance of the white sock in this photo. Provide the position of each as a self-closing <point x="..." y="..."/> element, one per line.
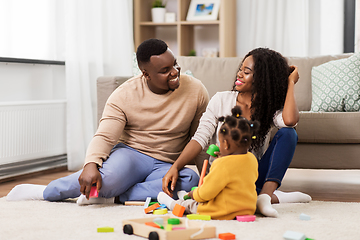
<point x="181" y="194"/>
<point x="26" y="192"/>
<point x="263" y="204"/>
<point x="163" y="198"/>
<point x="96" y="200"/>
<point x="292" y="197"/>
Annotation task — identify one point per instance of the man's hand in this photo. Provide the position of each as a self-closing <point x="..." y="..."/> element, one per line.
<point x="88" y="177"/>
<point x="171" y="176"/>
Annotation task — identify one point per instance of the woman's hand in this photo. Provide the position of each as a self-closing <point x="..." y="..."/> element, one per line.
<point x="294" y="75"/>
<point x="171" y="176"/>
<point x="88" y="177"/>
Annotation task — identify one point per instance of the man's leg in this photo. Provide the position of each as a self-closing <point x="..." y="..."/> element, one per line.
<point x="152" y="185"/>
<point x="124" y="167"/>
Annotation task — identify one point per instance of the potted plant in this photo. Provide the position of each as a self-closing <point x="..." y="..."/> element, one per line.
<point x="158" y="11"/>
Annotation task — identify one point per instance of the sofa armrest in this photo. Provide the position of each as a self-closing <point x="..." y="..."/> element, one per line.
<point x="105" y="85"/>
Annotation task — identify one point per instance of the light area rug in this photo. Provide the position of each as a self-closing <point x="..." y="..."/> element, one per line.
<point x="66" y="220"/>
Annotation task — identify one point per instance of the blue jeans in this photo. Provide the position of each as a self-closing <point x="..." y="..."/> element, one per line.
<point x="277" y="158"/>
<point x="127" y="173"/>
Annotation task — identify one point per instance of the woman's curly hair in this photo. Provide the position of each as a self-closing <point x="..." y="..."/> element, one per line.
<point x="241" y="130"/>
<point x="269" y="88"/>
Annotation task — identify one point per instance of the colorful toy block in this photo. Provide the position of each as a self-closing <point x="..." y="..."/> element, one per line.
<point x="198" y="217"/>
<point x="151" y="208"/>
<point x="290" y="235"/>
<point x="153" y="224"/>
<point x="147" y="202"/>
<point x="161" y="211"/>
<point x="304" y="217"/>
<point x="226" y="236"/>
<point x="246" y="218"/>
<point x="159" y="220"/>
<point x="105" y="229"/>
<point x="203" y="172"/>
<point x="93" y="192"/>
<point x="168" y="227"/>
<point x="178" y="210"/>
<point x="173" y="221"/>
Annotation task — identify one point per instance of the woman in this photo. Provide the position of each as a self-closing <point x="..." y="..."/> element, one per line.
<point x="264" y="89"/>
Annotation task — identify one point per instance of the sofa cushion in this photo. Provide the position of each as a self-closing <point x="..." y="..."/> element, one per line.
<point x="329" y="127"/>
<point x="217" y="74"/>
<point x="336" y="85"/>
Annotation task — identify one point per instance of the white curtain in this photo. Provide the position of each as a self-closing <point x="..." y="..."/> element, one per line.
<point x="98" y="42"/>
<point x="294" y="28"/>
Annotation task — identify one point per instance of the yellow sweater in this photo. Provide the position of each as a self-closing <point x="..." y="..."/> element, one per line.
<point x="229" y="189"/>
<point x="158" y="125"/>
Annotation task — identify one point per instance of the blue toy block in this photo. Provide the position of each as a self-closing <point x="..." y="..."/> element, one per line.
<point x="290" y="235"/>
<point x="304" y="217"/>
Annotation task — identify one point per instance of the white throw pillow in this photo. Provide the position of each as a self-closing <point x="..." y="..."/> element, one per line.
<point x="336" y="85"/>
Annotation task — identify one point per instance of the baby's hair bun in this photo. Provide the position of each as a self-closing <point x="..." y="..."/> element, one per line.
<point x="236" y="111"/>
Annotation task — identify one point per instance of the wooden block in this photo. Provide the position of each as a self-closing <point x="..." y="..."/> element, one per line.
<point x="134" y="203"/>
<point x="178" y="210"/>
<point x="105" y="229"/>
<point x="290" y="235"/>
<point x="198" y="217"/>
<point x="151" y="208"/>
<point x="226" y="236"/>
<point x="161" y="211"/>
<point x="153" y="224"/>
<point x="93" y="192"/>
<point x="246" y="218"/>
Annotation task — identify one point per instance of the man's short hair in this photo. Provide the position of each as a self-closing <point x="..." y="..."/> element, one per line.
<point x="149" y="48"/>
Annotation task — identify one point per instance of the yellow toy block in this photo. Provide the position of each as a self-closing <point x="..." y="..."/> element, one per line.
<point x="198" y="217"/>
<point x="105" y="229"/>
<point x="161" y="211"/>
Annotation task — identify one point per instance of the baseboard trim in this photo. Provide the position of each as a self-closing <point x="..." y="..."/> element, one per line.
<point x="25" y="168"/>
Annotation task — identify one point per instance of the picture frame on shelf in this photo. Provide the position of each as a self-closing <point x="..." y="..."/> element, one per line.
<point x="203" y="10"/>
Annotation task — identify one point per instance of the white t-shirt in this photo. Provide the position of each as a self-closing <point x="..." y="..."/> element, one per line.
<point x="220" y="105"/>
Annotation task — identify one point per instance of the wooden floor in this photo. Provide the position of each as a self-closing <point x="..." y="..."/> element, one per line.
<point x="322" y="185"/>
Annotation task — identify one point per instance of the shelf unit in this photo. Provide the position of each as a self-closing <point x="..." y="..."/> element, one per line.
<point x="144" y="28"/>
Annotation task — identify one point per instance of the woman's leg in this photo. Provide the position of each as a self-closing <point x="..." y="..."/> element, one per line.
<point x="152" y="185"/>
<point x="276" y="160"/>
<point x="272" y="168"/>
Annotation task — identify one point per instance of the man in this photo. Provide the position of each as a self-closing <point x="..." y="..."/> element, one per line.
<point x="146" y="123"/>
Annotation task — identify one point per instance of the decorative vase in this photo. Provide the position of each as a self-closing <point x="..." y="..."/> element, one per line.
<point x="158" y="15"/>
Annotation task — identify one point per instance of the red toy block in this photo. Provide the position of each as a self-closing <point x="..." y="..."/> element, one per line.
<point x="93" y="192"/>
<point x="151" y="208"/>
<point x="226" y="236"/>
<point x="178" y="210"/>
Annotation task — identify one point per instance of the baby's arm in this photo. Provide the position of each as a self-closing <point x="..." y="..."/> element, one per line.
<point x="213" y="184"/>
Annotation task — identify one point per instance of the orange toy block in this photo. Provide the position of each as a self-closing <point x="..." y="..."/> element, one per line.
<point x="226" y="236"/>
<point x="152" y="207"/>
<point x="178" y="210"/>
<point x="152" y="224"/>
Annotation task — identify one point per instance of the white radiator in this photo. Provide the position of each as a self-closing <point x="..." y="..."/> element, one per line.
<point x="31" y="131"/>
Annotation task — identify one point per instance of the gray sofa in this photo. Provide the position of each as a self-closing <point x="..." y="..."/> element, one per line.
<point x="327" y="140"/>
